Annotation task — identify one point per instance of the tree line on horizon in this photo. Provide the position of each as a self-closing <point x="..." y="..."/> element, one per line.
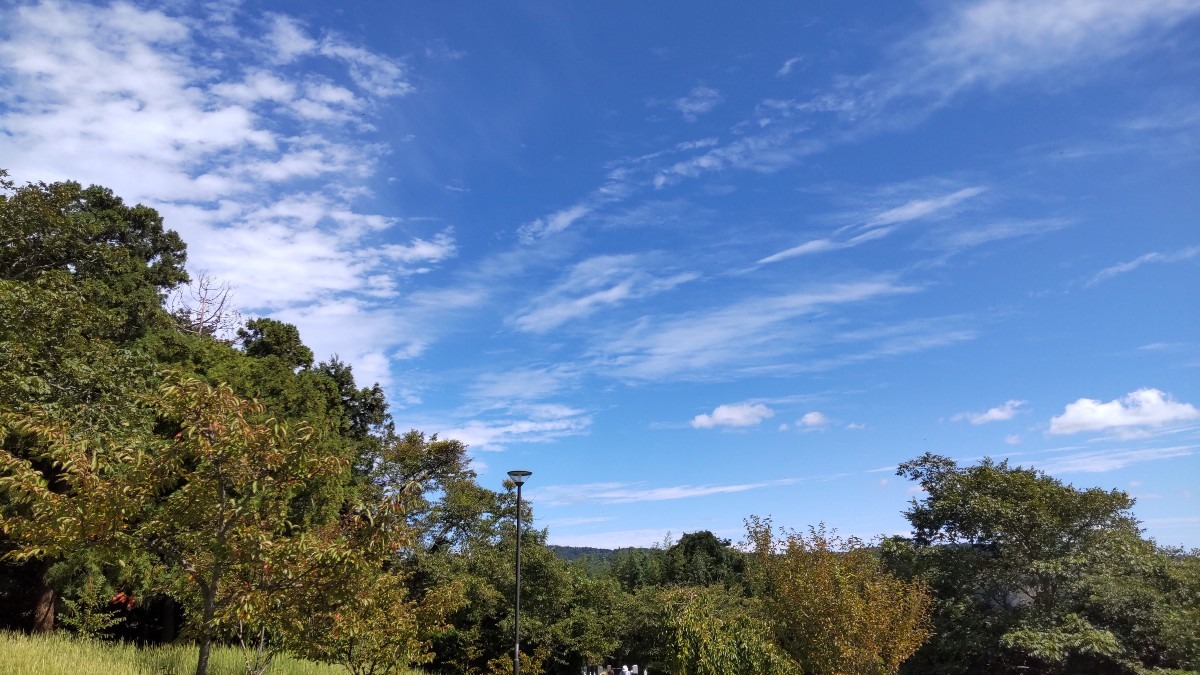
<point x="169" y="471"/>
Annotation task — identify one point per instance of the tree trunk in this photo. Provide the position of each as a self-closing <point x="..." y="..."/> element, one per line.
<point x="43" y="613"/>
<point x="206" y="637"/>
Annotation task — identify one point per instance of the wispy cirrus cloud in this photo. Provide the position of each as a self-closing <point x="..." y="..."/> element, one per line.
<point x="814" y="246"/>
<point x="969" y="46"/>
<point x="995" y="42"/>
<point x="966" y="237"/>
<point x="646" y="537"/>
<point x="526" y="383"/>
<point x="1112" y="460"/>
<point x="926" y="207"/>
<point x="594" y="284"/>
<point x="740" y="335"/>
<point x="523" y="423"/>
<point x="1154" y="257"/>
<point x="630" y="493"/>
<point x="788" y="66"/>
<point x="881" y="223"/>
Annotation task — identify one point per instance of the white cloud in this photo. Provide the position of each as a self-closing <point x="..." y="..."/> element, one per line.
<point x="542" y="423"/>
<point x="1155" y="257"/>
<point x="823" y="245"/>
<point x="740" y="335"/>
<point x="643" y="538"/>
<point x="375" y="73"/>
<point x="733" y="415"/>
<point x="788" y="66"/>
<point x="594" y="284"/>
<point x="630" y="493"/>
<point x="924" y="208"/>
<point x="993" y="42"/>
<point x="995" y="231"/>
<point x="568" y="522"/>
<point x="613" y="190"/>
<point x="1101" y="461"/>
<point x="701" y="100"/>
<point x="1012" y="439"/>
<point x="1141" y="409"/>
<point x="813" y="420"/>
<point x="253" y="161"/>
<point x="1001" y="413"/>
<point x="883" y="223"/>
<point x="967" y="45"/>
<point x="421" y="251"/>
<point x="519" y="384"/>
<point x="288" y="38"/>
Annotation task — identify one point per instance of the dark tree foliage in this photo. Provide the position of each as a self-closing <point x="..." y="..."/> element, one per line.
<point x="268" y="338"/>
<point x="1030" y="573"/>
<point x="702" y="559"/>
<point x="92" y="235"/>
<point x="81" y="282"/>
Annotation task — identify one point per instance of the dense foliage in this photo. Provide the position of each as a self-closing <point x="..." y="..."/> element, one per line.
<point x="170" y="473"/>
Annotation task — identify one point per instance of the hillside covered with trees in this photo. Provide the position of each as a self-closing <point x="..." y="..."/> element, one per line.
<point x="169" y="472"/>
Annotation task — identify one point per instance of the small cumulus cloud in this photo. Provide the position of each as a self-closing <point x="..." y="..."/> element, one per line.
<point x="1012" y="439"/>
<point x="733" y="415"/>
<point x="1001" y="413"/>
<point x="701" y="100"/>
<point x="813" y="420"/>
<point x="1137" y="411"/>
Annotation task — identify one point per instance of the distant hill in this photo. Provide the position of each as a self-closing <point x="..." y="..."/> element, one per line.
<point x="570" y="553"/>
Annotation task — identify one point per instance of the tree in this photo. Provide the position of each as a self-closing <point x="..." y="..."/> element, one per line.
<point x="264" y="338"/>
<point x="830" y="604"/>
<point x="223" y="531"/>
<point x="701" y="559"/>
<point x="1018" y="562"/>
<point x="81" y="276"/>
<point x="70" y="407"/>
<point x="697" y="630"/>
<point x="92" y="235"/>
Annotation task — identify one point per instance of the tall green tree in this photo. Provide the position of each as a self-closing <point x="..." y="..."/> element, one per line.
<point x="92" y="235"/>
<point x="1019" y="563"/>
<point x="81" y="278"/>
<point x="702" y="559"/>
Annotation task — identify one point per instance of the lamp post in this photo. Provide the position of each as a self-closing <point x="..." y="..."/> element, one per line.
<point x="518" y="477"/>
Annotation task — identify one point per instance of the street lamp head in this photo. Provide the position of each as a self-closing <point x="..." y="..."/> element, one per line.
<point x="519" y="477"/>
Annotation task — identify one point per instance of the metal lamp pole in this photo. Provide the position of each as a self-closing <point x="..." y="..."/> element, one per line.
<point x="518" y="477"/>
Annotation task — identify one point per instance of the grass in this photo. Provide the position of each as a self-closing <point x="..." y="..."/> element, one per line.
<point x="64" y="655"/>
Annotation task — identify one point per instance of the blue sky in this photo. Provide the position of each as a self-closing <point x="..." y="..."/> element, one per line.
<point x="687" y="262"/>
